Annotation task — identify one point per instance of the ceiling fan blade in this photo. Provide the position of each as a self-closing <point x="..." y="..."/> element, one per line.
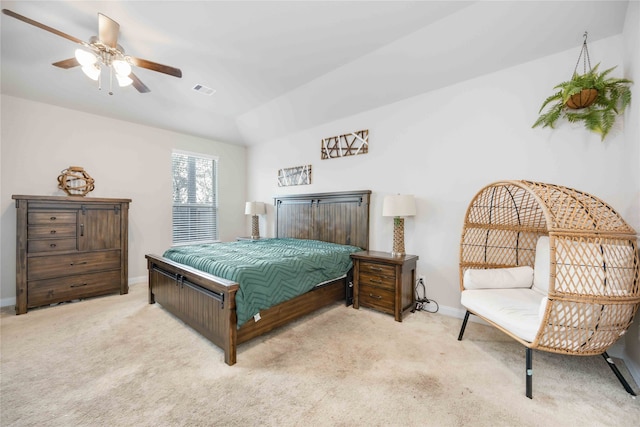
<point x="154" y="66"/>
<point x="108" y="31"/>
<point x="140" y="87"/>
<point x="67" y="63"/>
<point x="41" y="26"/>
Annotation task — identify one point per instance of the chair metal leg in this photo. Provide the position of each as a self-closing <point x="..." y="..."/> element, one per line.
<point x="615" y="370"/>
<point x="529" y="371"/>
<point x="464" y="325"/>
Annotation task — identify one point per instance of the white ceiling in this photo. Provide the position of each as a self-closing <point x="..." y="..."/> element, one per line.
<point x="278" y="67"/>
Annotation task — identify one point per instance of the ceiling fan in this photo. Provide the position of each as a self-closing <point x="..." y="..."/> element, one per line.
<point x="103" y="51"/>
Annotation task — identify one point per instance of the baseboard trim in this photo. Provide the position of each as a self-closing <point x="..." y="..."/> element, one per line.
<point x="6" y="302"/>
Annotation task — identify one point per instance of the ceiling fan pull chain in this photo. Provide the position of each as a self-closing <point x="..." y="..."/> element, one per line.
<point x="110" y="80"/>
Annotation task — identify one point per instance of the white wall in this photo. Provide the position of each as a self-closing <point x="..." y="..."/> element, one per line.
<point x="126" y="160"/>
<point x="445" y="145"/>
<point x="632" y="135"/>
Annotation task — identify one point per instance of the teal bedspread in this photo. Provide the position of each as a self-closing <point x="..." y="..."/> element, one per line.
<point x="269" y="271"/>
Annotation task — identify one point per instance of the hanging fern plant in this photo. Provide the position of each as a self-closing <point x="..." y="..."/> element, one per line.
<point x="593" y="98"/>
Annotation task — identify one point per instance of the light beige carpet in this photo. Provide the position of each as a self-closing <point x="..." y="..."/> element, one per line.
<point x="118" y="361"/>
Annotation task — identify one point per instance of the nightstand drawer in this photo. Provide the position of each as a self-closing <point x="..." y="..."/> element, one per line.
<point x="386" y="282"/>
<point x="376" y="269"/>
<point x="377" y="298"/>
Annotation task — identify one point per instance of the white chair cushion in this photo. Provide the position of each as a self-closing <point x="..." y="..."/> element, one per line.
<point x="542" y="266"/>
<point x="515" y="310"/>
<point x="498" y="278"/>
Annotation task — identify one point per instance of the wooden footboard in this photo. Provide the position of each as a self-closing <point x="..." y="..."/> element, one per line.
<point x="207" y="303"/>
<point x="201" y="300"/>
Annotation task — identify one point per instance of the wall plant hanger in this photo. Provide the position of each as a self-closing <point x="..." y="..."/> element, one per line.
<point x="593" y="98"/>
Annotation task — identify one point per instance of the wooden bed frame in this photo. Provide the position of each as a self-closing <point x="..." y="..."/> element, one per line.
<point x="207" y="303"/>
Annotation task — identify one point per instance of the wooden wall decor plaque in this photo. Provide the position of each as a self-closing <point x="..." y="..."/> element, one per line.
<point x="349" y="144"/>
<point x="298" y="175"/>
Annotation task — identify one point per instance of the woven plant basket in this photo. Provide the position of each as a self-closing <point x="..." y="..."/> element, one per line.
<point x="594" y="267"/>
<point x="585" y="98"/>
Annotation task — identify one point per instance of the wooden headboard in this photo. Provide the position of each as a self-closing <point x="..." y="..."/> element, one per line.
<point x="341" y="217"/>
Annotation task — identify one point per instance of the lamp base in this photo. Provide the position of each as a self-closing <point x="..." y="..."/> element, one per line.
<point x="255" y="227"/>
<point x="398" y="237"/>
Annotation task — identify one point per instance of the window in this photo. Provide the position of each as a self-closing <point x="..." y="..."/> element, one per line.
<point x="195" y="207"/>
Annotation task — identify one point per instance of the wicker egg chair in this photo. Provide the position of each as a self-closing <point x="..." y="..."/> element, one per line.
<point x="593" y="290"/>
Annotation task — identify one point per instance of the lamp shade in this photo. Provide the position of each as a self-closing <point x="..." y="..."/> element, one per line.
<point x="399" y="205"/>
<point x="122" y="67"/>
<point x="254" y="208"/>
<point x="85" y="58"/>
<point x="92" y="71"/>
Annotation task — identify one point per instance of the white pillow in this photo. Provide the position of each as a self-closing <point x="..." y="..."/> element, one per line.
<point x="498" y="278"/>
<point x="542" y="266"/>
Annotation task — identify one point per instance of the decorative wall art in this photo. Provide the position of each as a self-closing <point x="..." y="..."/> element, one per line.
<point x="298" y="175"/>
<point x="349" y="144"/>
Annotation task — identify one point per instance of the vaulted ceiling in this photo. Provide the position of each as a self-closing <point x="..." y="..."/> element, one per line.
<point x="278" y="67"/>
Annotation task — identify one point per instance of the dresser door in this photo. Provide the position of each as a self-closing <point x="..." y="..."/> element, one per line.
<point x="99" y="228"/>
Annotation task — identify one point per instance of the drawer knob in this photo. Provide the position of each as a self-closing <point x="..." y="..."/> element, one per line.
<point x="376" y="281"/>
<point x="53" y="245"/>
<point x="375" y="296"/>
<point x="53" y="231"/>
<point x="78" y="263"/>
<point x="376" y="268"/>
<point x="53" y="218"/>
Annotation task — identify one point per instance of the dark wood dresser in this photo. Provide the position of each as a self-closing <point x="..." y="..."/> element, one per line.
<point x="69" y="248"/>
<point x="384" y="282"/>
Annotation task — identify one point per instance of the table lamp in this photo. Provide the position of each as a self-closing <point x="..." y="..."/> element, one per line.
<point x="398" y="206"/>
<point x="254" y="209"/>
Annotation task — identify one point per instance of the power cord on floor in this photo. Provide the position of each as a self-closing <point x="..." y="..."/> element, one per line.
<point x="424" y="303"/>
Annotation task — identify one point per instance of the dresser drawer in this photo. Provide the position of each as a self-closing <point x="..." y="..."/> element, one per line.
<point x="377" y="298"/>
<point x="51" y="245"/>
<point x="46" y="267"/>
<point x="42" y="292"/>
<point x="47" y="231"/>
<point x="52" y="217"/>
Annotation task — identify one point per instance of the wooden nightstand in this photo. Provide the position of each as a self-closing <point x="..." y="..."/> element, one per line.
<point x="384" y="282"/>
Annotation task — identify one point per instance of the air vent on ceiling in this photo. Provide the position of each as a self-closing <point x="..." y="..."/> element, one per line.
<point x="204" y="90"/>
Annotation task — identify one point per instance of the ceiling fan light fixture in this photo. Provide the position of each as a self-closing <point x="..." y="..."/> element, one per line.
<point x="102" y="51"/>
<point x="85" y="58"/>
<point x="123" y="80"/>
<point x="122" y="68"/>
<point x="92" y="71"/>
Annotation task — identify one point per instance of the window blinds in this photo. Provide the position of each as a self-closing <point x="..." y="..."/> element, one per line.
<point x="195" y="208"/>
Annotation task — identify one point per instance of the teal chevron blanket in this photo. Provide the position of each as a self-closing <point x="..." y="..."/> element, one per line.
<point x="269" y="271"/>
